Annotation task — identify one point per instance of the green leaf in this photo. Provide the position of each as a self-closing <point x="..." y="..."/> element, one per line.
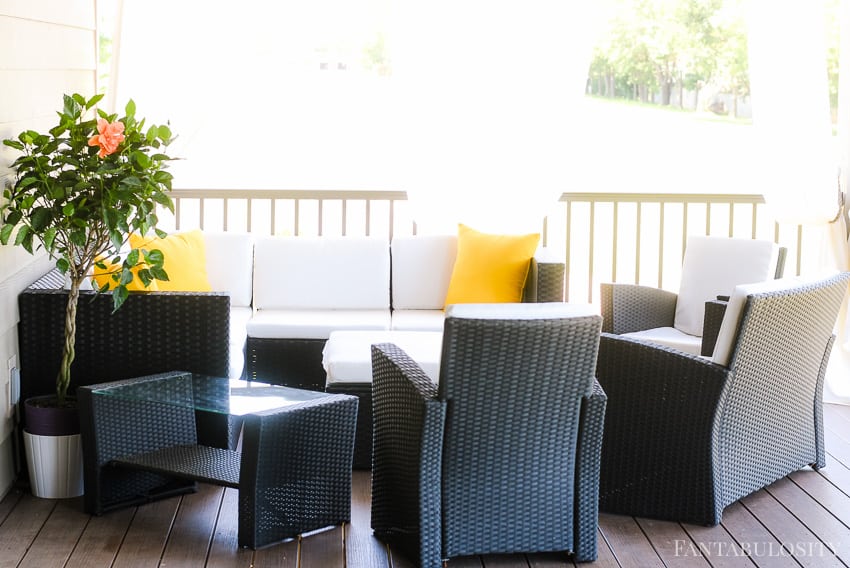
<point x="145" y="276"/>
<point x="131" y="181"/>
<point x="119" y="295"/>
<point x="22" y="234"/>
<point x="49" y="237"/>
<point x="164" y="133"/>
<point x="94" y="100"/>
<point x="159" y="273"/>
<point x="63" y="265"/>
<point x="13" y="217"/>
<point x="126" y="276"/>
<point x="141" y="159"/>
<point x="132" y="258"/>
<point x="6" y="232"/>
<point x="41" y="217"/>
<point x="78" y="236"/>
<point x="13" y="144"/>
<point x="130" y="109"/>
<point x="154" y="257"/>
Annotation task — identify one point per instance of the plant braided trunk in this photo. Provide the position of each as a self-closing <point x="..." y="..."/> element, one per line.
<point x="63" y="379"/>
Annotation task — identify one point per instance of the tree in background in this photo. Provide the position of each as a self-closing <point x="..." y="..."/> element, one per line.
<point x="653" y="49"/>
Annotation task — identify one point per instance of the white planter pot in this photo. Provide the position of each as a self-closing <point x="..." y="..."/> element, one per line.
<point x="55" y="465"/>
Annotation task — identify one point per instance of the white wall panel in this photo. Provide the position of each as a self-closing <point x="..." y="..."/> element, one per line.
<point x="75" y="13"/>
<point x="47" y="48"/>
<point x="28" y="44"/>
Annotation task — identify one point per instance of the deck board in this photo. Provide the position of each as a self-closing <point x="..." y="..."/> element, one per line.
<point x="808" y="510"/>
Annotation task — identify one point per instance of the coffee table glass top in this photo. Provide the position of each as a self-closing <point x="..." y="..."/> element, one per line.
<point x="214" y="394"/>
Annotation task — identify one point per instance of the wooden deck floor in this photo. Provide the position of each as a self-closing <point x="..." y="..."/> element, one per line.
<point x="802" y="520"/>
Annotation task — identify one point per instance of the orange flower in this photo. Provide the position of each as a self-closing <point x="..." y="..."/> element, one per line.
<point x="109" y="136"/>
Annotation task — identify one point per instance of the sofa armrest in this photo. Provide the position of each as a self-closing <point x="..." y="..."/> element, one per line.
<point x="714" y="311"/>
<point x="631" y="307"/>
<point x="545" y="282"/>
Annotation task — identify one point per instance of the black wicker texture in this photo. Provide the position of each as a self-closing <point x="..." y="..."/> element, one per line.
<point x="550" y="282"/>
<point x="293" y="473"/>
<point x="153" y="332"/>
<point x="503" y="475"/>
<point x="712" y="320"/>
<point x="113" y="427"/>
<point x="407" y="458"/>
<point x="631" y="307"/>
<point x="363" y="438"/>
<point x="192" y="461"/>
<point x="784" y="343"/>
<point x="684" y="437"/>
<point x="296" y="469"/>
<point x="292" y="362"/>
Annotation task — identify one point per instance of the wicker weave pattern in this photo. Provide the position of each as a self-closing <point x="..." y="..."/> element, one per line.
<point x="112" y="428"/>
<point x="684" y="437"/>
<point x="152" y="333"/>
<point x="630" y="307"/>
<point x="513" y="393"/>
<point x="293" y="474"/>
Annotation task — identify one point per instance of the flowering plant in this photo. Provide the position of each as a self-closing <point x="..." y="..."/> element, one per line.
<point x="79" y="191"/>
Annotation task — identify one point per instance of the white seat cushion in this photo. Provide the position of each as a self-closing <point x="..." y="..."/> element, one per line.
<point x="230" y="265"/>
<point x="418" y="320"/>
<point x="669" y="337"/>
<point x="422" y="269"/>
<point x="347" y="357"/>
<point x="714" y="266"/>
<point x="313" y="324"/>
<point x="239" y="317"/>
<point x="322" y="273"/>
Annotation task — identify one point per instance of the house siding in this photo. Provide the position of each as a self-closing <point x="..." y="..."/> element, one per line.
<point x="47" y="48"/>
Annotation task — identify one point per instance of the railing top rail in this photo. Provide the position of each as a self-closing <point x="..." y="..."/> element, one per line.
<point x="664" y="197"/>
<point x="402" y="195"/>
<point x="286" y="194"/>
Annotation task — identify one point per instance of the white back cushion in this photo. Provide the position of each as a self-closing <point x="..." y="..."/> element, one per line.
<point x="230" y="265"/>
<point x="728" y="333"/>
<point x="322" y="273"/>
<point x="714" y="266"/>
<point x="422" y="268"/>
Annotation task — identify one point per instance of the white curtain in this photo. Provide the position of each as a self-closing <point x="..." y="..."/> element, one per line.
<point x="838" y="383"/>
<point x="797" y="154"/>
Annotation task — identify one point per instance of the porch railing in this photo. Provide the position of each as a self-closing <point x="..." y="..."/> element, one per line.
<point x="602" y="237"/>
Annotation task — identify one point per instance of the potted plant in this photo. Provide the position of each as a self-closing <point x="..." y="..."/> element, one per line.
<point x="77" y="193"/>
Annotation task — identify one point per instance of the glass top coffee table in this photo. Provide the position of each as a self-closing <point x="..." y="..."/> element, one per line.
<point x="293" y="471"/>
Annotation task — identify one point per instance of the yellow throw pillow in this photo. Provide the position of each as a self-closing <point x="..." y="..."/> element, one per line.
<point x="185" y="260"/>
<point x="490" y="268"/>
<point x="104" y="276"/>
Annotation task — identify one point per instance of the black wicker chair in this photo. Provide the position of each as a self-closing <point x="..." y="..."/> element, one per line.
<point x="712" y="268"/>
<point x="503" y="456"/>
<point x="685" y="436"/>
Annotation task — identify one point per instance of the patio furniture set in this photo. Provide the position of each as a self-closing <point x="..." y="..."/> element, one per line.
<point x="485" y="416"/>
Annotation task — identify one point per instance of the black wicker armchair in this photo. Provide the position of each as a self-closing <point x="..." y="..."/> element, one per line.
<point x="686" y="436"/>
<point x="503" y="456"/>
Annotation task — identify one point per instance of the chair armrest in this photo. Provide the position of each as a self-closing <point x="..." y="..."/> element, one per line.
<point x="407" y="454"/>
<point x="631" y="307"/>
<point x="659" y="425"/>
<point x="714" y="311"/>
<point x="589" y="450"/>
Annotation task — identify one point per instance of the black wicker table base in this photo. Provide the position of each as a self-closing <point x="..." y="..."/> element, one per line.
<point x="140" y="443"/>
